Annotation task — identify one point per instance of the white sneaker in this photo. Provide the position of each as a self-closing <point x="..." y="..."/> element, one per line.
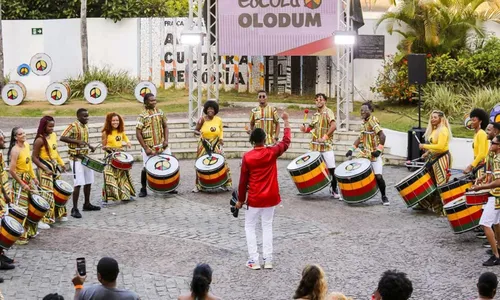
<point x="253" y="265"/>
<point x="42" y="225"/>
<point x="63" y="219"/>
<point x="195" y="190"/>
<point x="268" y="264"/>
<point x="336" y="196"/>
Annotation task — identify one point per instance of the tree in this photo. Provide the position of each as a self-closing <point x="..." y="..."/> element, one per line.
<point x="439" y="26"/>
<point x="83" y="36"/>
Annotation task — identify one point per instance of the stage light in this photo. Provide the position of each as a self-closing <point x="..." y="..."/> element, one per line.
<point x="344" y="37"/>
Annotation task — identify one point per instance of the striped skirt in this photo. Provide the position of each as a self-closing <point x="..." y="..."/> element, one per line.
<point x="47" y="184"/>
<point x="441" y="163"/>
<point x="117" y="184"/>
<point x="22" y="200"/>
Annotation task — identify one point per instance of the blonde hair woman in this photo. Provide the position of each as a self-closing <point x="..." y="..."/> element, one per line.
<point x="438" y="136"/>
<point x="313" y="285"/>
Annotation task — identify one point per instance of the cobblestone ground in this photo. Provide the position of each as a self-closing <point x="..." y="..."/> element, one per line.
<point x="158" y="241"/>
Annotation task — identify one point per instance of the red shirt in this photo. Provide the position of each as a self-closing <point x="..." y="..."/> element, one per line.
<point x="259" y="173"/>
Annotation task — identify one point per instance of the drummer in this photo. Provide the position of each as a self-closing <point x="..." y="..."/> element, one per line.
<point x="210" y="130"/>
<point x="76" y="135"/>
<point x="371" y="142"/>
<point x="438" y="135"/>
<point x="47" y="159"/>
<point x="152" y="133"/>
<point x="25" y="181"/>
<point x="117" y="183"/>
<point x="491" y="211"/>
<point x="479" y="120"/>
<point x="266" y="117"/>
<point x="322" y="128"/>
<point x="5" y="200"/>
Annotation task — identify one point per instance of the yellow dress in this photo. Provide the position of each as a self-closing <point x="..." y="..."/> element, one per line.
<point x="117" y="183"/>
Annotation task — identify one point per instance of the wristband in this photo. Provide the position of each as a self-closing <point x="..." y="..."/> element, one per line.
<point x="380" y="147"/>
<point x="308" y="129"/>
<point x="325" y="137"/>
<point x="78" y="287"/>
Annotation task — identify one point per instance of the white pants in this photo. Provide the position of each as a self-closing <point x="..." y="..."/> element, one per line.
<point x="377" y="166"/>
<point x="490" y="215"/>
<point x="329" y="157"/>
<point x="145" y="157"/>
<point x="81" y="174"/>
<point x="251" y="218"/>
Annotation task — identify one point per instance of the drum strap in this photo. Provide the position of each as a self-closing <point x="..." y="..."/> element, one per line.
<point x="432" y="161"/>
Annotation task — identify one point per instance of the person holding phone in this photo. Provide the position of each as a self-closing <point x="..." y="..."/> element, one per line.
<point x="107" y="272"/>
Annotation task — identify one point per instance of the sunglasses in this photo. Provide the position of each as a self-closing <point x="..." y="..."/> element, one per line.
<point x="262" y="96"/>
<point x="493" y="143"/>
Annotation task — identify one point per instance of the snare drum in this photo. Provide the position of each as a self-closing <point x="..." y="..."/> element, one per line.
<point x="453" y="190"/>
<point x="309" y="173"/>
<point x="18" y="213"/>
<point x="477" y="197"/>
<point x="10" y="231"/>
<point x="37" y="208"/>
<point x="122" y="160"/>
<point x="416" y="187"/>
<point x="356" y="180"/>
<point x="62" y="192"/>
<point x="462" y="218"/>
<point x="93" y="164"/>
<point x="211" y="171"/>
<point x="163" y="174"/>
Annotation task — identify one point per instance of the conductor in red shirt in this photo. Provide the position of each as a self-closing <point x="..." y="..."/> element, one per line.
<point x="259" y="179"/>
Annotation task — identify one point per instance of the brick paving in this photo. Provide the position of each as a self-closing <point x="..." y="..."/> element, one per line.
<point x="158" y="240"/>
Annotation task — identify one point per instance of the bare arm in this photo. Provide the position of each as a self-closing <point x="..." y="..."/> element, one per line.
<point x="165" y="133"/>
<point x="66" y="139"/>
<point x="104" y="140"/>
<point x="277" y="131"/>
<point x="382" y="137"/>
<point x="35" y="156"/>
<point x="199" y="124"/>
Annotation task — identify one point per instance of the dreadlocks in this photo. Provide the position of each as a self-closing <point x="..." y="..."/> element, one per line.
<point x="40" y="133"/>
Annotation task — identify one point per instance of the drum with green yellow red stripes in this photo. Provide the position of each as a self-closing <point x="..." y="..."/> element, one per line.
<point x="163" y="173"/>
<point x="309" y="173"/>
<point x="416" y="187"/>
<point x="462" y="217"/>
<point x="356" y="180"/>
<point x="211" y="171"/>
<point x="453" y="189"/>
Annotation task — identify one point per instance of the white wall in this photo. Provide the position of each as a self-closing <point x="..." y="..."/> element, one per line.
<point x="460" y="148"/>
<point x="110" y="44"/>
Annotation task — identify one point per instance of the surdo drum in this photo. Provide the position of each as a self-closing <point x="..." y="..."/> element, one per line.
<point x="18" y="213"/>
<point x="57" y="93"/>
<point x="463" y="218"/>
<point x="356" y="180"/>
<point x="13" y="93"/>
<point x="477" y="197"/>
<point x="37" y="208"/>
<point x="416" y="187"/>
<point x="163" y="174"/>
<point x="309" y="173"/>
<point x="122" y="160"/>
<point x="62" y="192"/>
<point x="211" y="171"/>
<point x="452" y="190"/>
<point x="10" y="231"/>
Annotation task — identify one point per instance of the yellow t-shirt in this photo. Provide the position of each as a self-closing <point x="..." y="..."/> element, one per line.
<point x="24" y="164"/>
<point x="116" y="139"/>
<point x="439" y="143"/>
<point x="212" y="129"/>
<point x="54" y="154"/>
<point x="480" y="146"/>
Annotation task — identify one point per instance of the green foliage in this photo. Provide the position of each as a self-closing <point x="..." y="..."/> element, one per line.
<point x="485" y="98"/>
<point x="443" y="98"/>
<point x="111" y="9"/>
<point x="439" y="26"/>
<point x="392" y="81"/>
<point x="117" y="82"/>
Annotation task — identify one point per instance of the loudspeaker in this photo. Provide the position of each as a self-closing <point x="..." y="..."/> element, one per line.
<point x="417" y="68"/>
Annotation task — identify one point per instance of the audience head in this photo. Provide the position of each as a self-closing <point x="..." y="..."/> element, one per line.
<point x="202" y="277"/>
<point x="55" y="296"/>
<point x="313" y="284"/>
<point x="257" y="137"/>
<point x="487" y="285"/>
<point x="107" y="270"/>
<point x="393" y="285"/>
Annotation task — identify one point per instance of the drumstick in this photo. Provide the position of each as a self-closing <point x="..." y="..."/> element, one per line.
<point x="415" y="135"/>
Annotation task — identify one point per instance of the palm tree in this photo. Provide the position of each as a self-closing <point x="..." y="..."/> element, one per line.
<point x="83" y="36"/>
<point x="438" y="26"/>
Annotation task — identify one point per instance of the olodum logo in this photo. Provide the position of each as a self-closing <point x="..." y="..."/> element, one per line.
<point x="312" y="4"/>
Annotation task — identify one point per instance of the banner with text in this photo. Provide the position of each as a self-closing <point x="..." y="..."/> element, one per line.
<point x="277" y="27"/>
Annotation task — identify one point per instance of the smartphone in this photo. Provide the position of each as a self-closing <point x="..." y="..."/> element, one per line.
<point x="80" y="266"/>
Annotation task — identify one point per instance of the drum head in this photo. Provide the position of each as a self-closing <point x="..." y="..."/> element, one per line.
<point x="12" y="224"/>
<point x="303" y="160"/>
<point x="419" y="171"/>
<point x="162" y="165"/>
<point x="95" y="92"/>
<point x="63" y="185"/>
<point x="207" y="163"/>
<point x="456" y="202"/>
<point x="353" y="167"/>
<point x="123" y="157"/>
<point x="57" y="93"/>
<point x="40" y="201"/>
